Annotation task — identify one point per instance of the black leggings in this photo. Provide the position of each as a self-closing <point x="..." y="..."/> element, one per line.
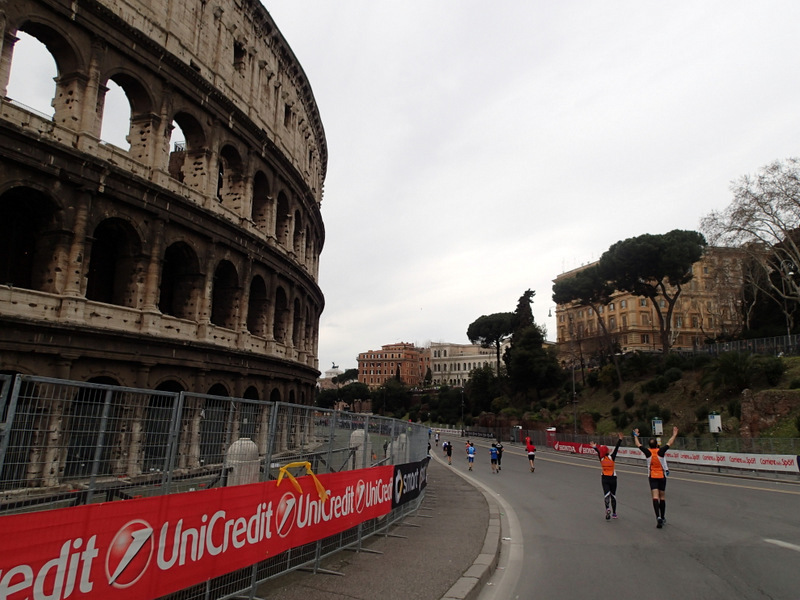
<point x="610" y="491"/>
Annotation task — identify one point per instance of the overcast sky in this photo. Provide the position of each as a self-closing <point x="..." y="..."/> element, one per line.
<point x="477" y="149"/>
<point x="480" y="149"/>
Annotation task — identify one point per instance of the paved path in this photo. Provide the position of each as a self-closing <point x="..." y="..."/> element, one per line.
<point x="449" y="549"/>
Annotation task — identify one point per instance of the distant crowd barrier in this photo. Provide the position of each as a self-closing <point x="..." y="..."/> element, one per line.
<point x="114" y="492"/>
<point x="755" y="462"/>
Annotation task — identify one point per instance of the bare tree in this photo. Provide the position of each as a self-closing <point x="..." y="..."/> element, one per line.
<point x="763" y="219"/>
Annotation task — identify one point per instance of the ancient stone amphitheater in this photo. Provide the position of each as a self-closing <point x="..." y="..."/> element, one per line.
<point x="178" y="265"/>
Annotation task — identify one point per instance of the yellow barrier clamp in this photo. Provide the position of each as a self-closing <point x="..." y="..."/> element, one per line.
<point x="284" y="470"/>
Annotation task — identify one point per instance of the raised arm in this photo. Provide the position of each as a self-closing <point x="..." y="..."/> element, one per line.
<point x="674" y="435"/>
<point x="636" y="438"/>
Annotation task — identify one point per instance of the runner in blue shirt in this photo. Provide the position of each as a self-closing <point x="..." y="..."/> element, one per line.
<point x="493" y="454"/>
<point x="471" y="455"/>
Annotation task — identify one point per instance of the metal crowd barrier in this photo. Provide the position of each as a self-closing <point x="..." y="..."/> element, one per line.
<point x="67" y="443"/>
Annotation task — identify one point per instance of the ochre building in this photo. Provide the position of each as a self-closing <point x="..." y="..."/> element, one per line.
<point x="708" y="307"/>
<point x="182" y="265"/>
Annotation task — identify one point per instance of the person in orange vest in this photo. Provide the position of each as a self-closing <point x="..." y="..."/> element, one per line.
<point x="657" y="472"/>
<point x="609" y="476"/>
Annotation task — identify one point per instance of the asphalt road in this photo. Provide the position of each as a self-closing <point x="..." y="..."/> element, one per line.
<point x="724" y="538"/>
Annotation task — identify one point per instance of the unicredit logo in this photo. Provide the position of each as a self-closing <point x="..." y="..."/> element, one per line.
<point x="129" y="554"/>
<point x="285" y="514"/>
<point x="361" y="496"/>
<point x="398" y="486"/>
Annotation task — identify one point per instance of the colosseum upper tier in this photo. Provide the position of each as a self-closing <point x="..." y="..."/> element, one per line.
<point x="187" y="265"/>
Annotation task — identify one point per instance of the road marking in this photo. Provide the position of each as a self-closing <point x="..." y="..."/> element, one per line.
<point x="787" y="545"/>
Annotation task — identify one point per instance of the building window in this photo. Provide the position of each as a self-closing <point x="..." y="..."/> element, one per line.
<point x="611" y="306"/>
<point x="623" y="304"/>
<point x="645" y="338"/>
<point x="642" y="301"/>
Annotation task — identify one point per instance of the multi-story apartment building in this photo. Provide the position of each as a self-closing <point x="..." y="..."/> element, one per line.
<point x="375" y="367"/>
<point x="451" y="364"/>
<point x="708" y="307"/>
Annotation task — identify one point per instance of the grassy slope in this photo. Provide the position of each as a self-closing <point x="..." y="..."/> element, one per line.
<point x="688" y="402"/>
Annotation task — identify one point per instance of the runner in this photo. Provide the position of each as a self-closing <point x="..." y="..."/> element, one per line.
<point x="449" y="452"/>
<point x="657" y="472"/>
<point x="531" y="450"/>
<point x="609" y="477"/>
<point x="471" y="455"/>
<point x="493" y="457"/>
<point x="499" y="455"/>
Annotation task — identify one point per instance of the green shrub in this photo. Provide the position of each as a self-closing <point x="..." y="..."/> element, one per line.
<point x="676" y="361"/>
<point x="701" y="412"/>
<point x="615" y="411"/>
<point x="629" y="399"/>
<point x="616" y="394"/>
<point x="593" y="378"/>
<point x="794" y="383"/>
<point x="735" y="408"/>
<point x="772" y="368"/>
<point x="657" y="385"/>
<point x="673" y="374"/>
<point x="622" y="420"/>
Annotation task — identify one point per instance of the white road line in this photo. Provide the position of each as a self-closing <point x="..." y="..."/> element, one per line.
<point x="787" y="545"/>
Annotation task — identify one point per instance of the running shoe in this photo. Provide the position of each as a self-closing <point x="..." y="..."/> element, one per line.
<point x="659" y="523"/>
<point x="614" y="516"/>
<point x="608" y="514"/>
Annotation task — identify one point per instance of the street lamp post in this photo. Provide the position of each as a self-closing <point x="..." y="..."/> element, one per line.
<point x="574" y="402"/>
<point x="788" y="272"/>
<point x="462" y="412"/>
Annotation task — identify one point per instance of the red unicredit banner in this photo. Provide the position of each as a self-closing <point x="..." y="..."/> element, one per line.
<point x="146" y="548"/>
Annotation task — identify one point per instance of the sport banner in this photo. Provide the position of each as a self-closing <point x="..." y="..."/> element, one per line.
<point x="756" y="462"/>
<point x="409" y="480"/>
<point x="146" y="548"/>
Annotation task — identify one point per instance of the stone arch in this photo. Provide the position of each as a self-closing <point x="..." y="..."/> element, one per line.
<point x="181" y="282"/>
<point x="262" y="202"/>
<point x="275" y="395"/>
<point x="28" y="244"/>
<point x="280" y="327"/>
<point x="297" y="323"/>
<point x="70" y="65"/>
<point x="297" y="236"/>
<point x="309" y="249"/>
<point x="142" y="121"/>
<point x="114" y="263"/>
<point x="258" y="305"/>
<point x="230" y="179"/>
<point x="188" y="160"/>
<point x="283" y="219"/>
<point x="225" y="295"/>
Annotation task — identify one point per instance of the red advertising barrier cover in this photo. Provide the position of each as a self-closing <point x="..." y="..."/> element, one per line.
<point x="146" y="548"/>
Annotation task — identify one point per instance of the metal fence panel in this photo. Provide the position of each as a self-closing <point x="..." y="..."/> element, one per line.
<point x="65" y="443"/>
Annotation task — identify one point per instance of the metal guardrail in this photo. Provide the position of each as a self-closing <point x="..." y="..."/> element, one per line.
<point x="66" y="443"/>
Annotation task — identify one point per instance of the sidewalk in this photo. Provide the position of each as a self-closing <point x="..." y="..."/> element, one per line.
<point x="448" y="550"/>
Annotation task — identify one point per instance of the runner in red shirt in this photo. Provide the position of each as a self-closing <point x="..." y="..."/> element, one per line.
<point x="609" y="476"/>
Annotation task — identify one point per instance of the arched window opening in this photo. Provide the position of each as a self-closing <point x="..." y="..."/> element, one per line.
<point x="297" y="324"/>
<point x="35" y="93"/>
<point x="297" y="237"/>
<point x="180" y="282"/>
<point x="281" y="320"/>
<point x="282" y="220"/>
<point x="112" y="264"/>
<point x="116" y="124"/>
<point x="257" y="307"/>
<point x="250" y="416"/>
<point x="225" y="296"/>
<point x="188" y="160"/>
<point x="261" y="202"/>
<point x="230" y="183"/>
<point x="25" y="216"/>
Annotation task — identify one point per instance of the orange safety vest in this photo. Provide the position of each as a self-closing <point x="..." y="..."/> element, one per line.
<point x="608" y="466"/>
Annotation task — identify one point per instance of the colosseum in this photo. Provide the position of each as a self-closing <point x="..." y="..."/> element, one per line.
<point x="186" y="257"/>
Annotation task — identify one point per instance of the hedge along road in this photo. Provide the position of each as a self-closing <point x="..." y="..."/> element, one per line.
<point x="725" y="537"/>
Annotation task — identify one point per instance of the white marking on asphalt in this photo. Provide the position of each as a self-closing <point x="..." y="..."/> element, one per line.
<point x="787" y="545"/>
